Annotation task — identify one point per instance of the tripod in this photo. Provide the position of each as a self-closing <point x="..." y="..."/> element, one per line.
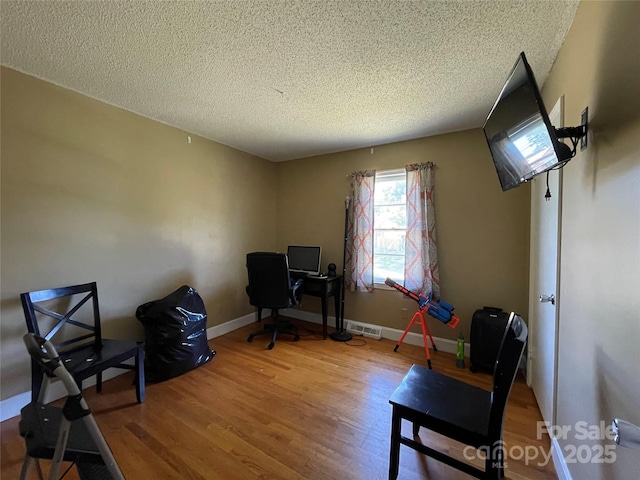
<point x="443" y="311"/>
<point x="418" y="318"/>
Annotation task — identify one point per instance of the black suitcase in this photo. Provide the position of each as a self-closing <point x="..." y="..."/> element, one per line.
<point x="487" y="330"/>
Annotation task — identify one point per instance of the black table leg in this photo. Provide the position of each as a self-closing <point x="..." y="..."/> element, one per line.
<point x="394" y="454"/>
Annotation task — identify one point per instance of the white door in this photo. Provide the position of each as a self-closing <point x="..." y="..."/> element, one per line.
<point x="543" y="282"/>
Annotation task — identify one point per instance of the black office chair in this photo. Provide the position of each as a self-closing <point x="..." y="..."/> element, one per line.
<point x="270" y="286"/>
<point x="81" y="346"/>
<point x="457" y="410"/>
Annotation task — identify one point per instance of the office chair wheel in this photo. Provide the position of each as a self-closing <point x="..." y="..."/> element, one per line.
<point x="296" y="338"/>
<point x="250" y="339"/>
<point x="271" y="345"/>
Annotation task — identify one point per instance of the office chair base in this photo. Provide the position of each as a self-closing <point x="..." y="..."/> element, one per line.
<point x="274" y="330"/>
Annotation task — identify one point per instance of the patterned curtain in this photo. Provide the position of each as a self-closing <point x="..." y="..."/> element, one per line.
<point x="421" y="255"/>
<point x="360" y="233"/>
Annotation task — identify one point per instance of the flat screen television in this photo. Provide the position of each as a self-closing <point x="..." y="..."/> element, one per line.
<point x="522" y="141"/>
<point x="304" y="259"/>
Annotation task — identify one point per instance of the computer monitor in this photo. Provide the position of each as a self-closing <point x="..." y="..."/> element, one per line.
<point x="304" y="259"/>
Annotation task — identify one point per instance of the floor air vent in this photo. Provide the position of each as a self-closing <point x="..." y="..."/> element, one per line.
<point x="371" y="331"/>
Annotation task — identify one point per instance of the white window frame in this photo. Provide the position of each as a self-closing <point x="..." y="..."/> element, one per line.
<point x="381" y="176"/>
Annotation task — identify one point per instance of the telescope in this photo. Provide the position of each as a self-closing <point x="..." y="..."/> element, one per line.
<point x="441" y="310"/>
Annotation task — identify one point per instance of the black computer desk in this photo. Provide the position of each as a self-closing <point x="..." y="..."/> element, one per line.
<point x="322" y="287"/>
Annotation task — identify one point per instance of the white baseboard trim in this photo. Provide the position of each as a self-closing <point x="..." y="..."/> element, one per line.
<point x="562" y="469"/>
<point x="231" y="325"/>
<point x="307" y="316"/>
<point x="412" y="338"/>
<point x="10" y="407"/>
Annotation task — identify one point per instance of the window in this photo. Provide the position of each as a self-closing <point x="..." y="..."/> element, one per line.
<point x="389" y="225"/>
<point x="392" y="230"/>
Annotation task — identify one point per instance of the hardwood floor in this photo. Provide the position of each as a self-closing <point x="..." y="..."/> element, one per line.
<point x="313" y="409"/>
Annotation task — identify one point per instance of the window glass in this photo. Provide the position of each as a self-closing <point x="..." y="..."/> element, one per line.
<point x="390" y="225"/>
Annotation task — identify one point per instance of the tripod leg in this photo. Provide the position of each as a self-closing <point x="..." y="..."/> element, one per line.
<point x="431" y="338"/>
<point x="405" y="332"/>
<point x="423" y="324"/>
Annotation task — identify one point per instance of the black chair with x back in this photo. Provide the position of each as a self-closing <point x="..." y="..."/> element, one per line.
<point x="81" y="346"/>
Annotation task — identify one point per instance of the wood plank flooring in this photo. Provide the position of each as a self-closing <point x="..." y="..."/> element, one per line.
<point x="312" y="409"/>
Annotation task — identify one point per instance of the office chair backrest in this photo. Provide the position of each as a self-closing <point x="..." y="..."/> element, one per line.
<point x="57" y="308"/>
<point x="269" y="281"/>
<point x="511" y="348"/>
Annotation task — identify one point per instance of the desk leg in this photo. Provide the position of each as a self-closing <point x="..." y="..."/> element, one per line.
<point x="324" y="315"/>
<point x="337" y="298"/>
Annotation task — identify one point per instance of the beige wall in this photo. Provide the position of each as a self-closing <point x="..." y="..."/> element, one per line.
<point x="92" y="192"/>
<point x="482" y="233"/>
<point x="598" y="357"/>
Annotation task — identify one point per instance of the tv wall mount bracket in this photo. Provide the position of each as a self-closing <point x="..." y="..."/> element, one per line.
<point x="574" y="134"/>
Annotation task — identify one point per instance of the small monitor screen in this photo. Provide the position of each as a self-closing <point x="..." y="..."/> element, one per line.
<point x="304" y="259"/>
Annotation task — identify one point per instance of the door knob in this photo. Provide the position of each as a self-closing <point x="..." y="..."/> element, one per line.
<point x="548" y="298"/>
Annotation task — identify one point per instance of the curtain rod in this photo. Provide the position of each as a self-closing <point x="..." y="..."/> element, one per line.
<point x="366" y="173"/>
<point x="372" y="172"/>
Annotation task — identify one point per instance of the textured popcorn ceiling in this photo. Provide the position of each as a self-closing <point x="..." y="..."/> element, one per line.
<point x="288" y="79"/>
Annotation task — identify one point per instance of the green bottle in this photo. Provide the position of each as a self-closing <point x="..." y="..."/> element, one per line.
<point x="460" y="352"/>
